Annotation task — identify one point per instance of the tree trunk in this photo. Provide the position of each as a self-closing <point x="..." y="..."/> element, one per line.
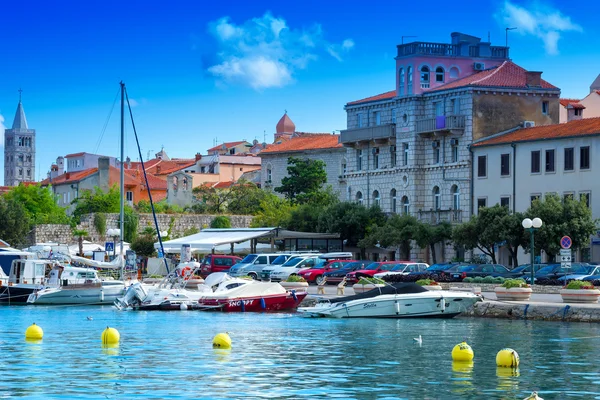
<point x="433" y="258"/>
<point x="513" y="254"/>
<point x="80" y="242"/>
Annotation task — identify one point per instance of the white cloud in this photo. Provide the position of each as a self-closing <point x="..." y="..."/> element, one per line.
<point x="264" y="52"/>
<point x="543" y="22"/>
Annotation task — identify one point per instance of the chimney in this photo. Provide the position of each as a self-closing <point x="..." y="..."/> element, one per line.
<point x="128" y="163"/>
<point x="198" y="156"/>
<point x="575" y="112"/>
<point x="68" y="175"/>
<point x="533" y="78"/>
<point x="103" y="173"/>
<point x="158" y="169"/>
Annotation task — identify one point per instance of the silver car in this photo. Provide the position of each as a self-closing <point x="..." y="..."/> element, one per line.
<point x="253" y="264"/>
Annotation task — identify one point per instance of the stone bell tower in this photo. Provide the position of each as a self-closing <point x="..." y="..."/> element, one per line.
<point x="19" y="150"/>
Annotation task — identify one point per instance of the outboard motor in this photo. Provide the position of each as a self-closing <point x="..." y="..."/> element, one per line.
<point x="134" y="294"/>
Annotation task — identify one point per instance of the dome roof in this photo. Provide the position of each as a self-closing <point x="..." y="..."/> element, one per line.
<point x="285" y="125"/>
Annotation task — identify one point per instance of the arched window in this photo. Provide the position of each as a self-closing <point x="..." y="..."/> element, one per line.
<point x="401" y="80"/>
<point x="436" y="198"/>
<point x="175" y="183"/>
<point x="185" y="186"/>
<point x="343" y="166"/>
<point x="393" y="197"/>
<point x="349" y="198"/>
<point x="405" y="205"/>
<point x="409" y="79"/>
<point x="439" y="74"/>
<point x="424" y="77"/>
<point x="455" y="197"/>
<point x="269" y="173"/>
<point x="453" y="73"/>
<point x="359" y="198"/>
<point x="376" y="198"/>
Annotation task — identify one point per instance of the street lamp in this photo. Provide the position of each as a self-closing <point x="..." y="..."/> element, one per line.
<point x="164" y="234"/>
<point x="530" y="225"/>
<point x="114" y="233"/>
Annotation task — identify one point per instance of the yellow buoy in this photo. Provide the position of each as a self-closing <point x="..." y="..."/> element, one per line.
<point x="222" y="341"/>
<point x="110" y="336"/>
<point x="34" y="332"/>
<point x="462" y="352"/>
<point x="507" y="358"/>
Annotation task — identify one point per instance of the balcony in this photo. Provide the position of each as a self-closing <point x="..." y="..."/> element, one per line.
<point x="435" y="217"/>
<point x="452" y="50"/>
<point x="378" y="132"/>
<point x="441" y="124"/>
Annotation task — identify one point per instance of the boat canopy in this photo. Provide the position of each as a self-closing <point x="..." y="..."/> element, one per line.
<point x="396" y="288"/>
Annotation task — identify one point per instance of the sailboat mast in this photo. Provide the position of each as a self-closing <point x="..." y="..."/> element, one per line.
<point x="122" y="188"/>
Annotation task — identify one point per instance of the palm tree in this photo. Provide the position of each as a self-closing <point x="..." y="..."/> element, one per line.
<point x="80" y="234"/>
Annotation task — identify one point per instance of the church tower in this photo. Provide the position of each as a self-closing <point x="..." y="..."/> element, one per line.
<point x="19" y="150"/>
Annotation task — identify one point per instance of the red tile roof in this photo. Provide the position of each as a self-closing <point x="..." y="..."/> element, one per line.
<point x="69" y="177"/>
<point x="307" y="141"/>
<point x="154" y="182"/>
<point x="159" y="167"/>
<point x="566" y="102"/>
<point x="383" y="96"/>
<point x="228" y="145"/>
<point x="506" y="75"/>
<point x="159" y="196"/>
<point x="75" y="154"/>
<point x="582" y="127"/>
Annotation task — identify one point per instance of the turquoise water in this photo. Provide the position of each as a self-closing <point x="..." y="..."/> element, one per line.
<point x="169" y="355"/>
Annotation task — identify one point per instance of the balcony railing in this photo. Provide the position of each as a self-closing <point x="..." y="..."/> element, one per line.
<point x="427" y="48"/>
<point x="370" y="133"/>
<point x="440" y="124"/>
<point x="436" y="216"/>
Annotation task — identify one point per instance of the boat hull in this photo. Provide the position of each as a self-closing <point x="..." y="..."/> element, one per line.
<point x="16" y="294"/>
<point x="95" y="295"/>
<point x="278" y="302"/>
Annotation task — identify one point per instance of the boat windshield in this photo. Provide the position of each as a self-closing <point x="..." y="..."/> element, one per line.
<point x="292" y="261"/>
<point x="279" y="260"/>
<point x="249" y="259"/>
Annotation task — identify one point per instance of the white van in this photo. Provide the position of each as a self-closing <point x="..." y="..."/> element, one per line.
<point x="290" y="267"/>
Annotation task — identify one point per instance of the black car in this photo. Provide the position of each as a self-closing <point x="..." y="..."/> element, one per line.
<point x="523" y="270"/>
<point x="337" y="275"/>
<point x="554" y="271"/>
<point x="459" y="272"/>
<point x="433" y="271"/>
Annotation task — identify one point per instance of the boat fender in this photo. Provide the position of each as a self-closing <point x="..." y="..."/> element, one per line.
<point x="442" y="304"/>
<point x="242" y="305"/>
<point x="294" y="295"/>
<point x="101" y="294"/>
<point x="397" y="307"/>
<point x="263" y="304"/>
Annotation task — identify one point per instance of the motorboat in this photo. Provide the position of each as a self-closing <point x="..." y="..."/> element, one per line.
<point x="222" y="292"/>
<point x="25" y="277"/>
<point x="399" y="300"/>
<point x="76" y="285"/>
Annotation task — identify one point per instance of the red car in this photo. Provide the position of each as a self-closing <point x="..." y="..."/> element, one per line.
<point x="370" y="270"/>
<point x="217" y="263"/>
<point x="315" y="275"/>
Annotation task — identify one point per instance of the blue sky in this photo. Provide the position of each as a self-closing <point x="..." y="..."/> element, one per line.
<point x="199" y="71"/>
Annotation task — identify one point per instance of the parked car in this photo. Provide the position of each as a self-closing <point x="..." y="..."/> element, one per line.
<point x="434" y="270"/>
<point x="554" y="271"/>
<point x="336" y="276"/>
<point x="581" y="273"/>
<point x="403" y="269"/>
<point x="370" y="270"/>
<point x="523" y="270"/>
<point x="217" y="263"/>
<point x="315" y="275"/>
<point x="253" y="264"/>
<point x="291" y="267"/>
<point x="459" y="272"/>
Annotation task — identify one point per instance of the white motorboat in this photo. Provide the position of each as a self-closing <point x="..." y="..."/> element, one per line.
<point x="76" y="285"/>
<point x="26" y="276"/>
<point x="400" y="300"/>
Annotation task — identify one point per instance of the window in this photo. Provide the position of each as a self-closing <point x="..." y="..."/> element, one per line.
<point x="505" y="201"/>
<point x="377" y="117"/>
<point x="482" y="166"/>
<point x="344" y="168"/>
<point x="545" y="105"/>
<point x="481" y="202"/>
<point x="359" y="198"/>
<point x="129" y="196"/>
<point x="393" y="197"/>
<point x="535" y="162"/>
<point x="359" y="157"/>
<point x="232" y="151"/>
<point x="393" y="155"/>
<point x="20" y="171"/>
<point x="585" y="197"/>
<point x="535" y="197"/>
<point x="453" y="73"/>
<point x="21" y="158"/>
<point x="394" y="116"/>
<point x="269" y="174"/>
<point x="28" y="173"/>
<point x="584" y="157"/>
<point x="174" y="184"/>
<point x="376" y="198"/>
<point x="376" y="158"/>
<point x="439" y="74"/>
<point x="439" y="108"/>
<point x="409" y="79"/>
<point x="401" y="81"/>
<point x="405" y="205"/>
<point x="578" y="112"/>
<point x="68" y="197"/>
<point x="64" y="198"/>
<point x="568" y="196"/>
<point x="569" y="159"/>
<point x="424" y="77"/>
<point x="359" y="120"/>
<point x="549" y="160"/>
<point x="504" y="164"/>
<point x="455" y="197"/>
<point x="436" y="152"/>
<point x="454" y="144"/>
<point x="436" y="198"/>
<point x="405" y="157"/>
<point x="185" y="184"/>
<point x="455" y="106"/>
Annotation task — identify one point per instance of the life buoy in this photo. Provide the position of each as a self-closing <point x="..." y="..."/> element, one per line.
<point x="186" y="273"/>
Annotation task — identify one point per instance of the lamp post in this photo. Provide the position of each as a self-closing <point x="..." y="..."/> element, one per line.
<point x="531" y="226"/>
<point x="114" y="233"/>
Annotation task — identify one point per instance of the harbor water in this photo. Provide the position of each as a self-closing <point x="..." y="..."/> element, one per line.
<point x="169" y="355"/>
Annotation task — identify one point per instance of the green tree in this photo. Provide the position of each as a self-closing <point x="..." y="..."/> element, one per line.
<point x="80" y="234"/>
<point x="274" y="212"/>
<point x="350" y="220"/>
<point x="14" y="221"/>
<point x="130" y="224"/>
<point x="97" y="201"/>
<point x="39" y="204"/>
<point x="430" y="235"/>
<point x="569" y="217"/>
<point x="305" y="179"/>
<point x="222" y="221"/>
<point x="304" y="218"/>
<point x="161" y="207"/>
<point x="143" y="244"/>
<point x="245" y="198"/>
<point x="398" y="231"/>
<point x="513" y="233"/>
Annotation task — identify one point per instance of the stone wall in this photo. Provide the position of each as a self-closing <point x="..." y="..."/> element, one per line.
<point x="175" y="224"/>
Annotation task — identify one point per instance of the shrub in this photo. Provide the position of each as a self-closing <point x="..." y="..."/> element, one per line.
<point x="371" y="281"/>
<point x="499" y="279"/>
<point x="426" y="282"/>
<point x="295" y="278"/>
<point x="477" y="279"/>
<point x="468" y="279"/>
<point x="511" y="283"/>
<point x="222" y="221"/>
<point x="487" y="279"/>
<point x="580" y="285"/>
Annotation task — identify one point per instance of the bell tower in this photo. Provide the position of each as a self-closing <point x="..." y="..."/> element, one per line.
<point x="19" y="150"/>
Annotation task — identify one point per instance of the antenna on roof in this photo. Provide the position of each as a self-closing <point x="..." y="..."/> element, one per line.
<point x="265" y="136"/>
<point x="508" y="29"/>
<point x="406" y="37"/>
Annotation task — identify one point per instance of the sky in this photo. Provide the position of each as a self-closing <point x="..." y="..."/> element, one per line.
<point x="199" y="73"/>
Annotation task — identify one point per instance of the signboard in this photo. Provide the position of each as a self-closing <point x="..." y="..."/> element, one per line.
<point x="109" y="246"/>
<point x="186" y="253"/>
<point x="130" y="259"/>
<point x="566" y="242"/>
<point x="565" y="258"/>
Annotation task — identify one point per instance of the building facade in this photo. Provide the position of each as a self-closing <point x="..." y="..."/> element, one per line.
<point x="19" y="150"/>
<point x="516" y="168"/>
<point x="588" y="107"/>
<point x="408" y="149"/>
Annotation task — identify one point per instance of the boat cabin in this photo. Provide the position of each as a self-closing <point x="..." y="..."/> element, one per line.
<point x="67" y="275"/>
<point x="29" y="271"/>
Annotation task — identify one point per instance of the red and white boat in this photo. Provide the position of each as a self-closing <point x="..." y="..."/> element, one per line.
<point x="222" y="292"/>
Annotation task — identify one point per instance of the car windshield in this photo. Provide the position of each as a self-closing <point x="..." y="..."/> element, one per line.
<point x="249" y="259"/>
<point x="372" y="266"/>
<point x="460" y="268"/>
<point x="292" y="261"/>
<point x="353" y="265"/>
<point x="398" y="267"/>
<point x="521" y="268"/>
<point x="547" y="270"/>
<point x="320" y="265"/>
<point x="279" y="260"/>
<point x="438" y="267"/>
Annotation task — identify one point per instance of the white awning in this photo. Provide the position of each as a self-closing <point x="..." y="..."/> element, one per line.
<point x="207" y="239"/>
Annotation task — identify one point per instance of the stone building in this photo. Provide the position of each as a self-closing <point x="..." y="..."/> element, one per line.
<point x="588" y="107"/>
<point x="19" y="150"/>
<point x="408" y="149"/>
<point x="231" y="148"/>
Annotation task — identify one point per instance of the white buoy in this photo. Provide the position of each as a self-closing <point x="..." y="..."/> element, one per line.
<point x="183" y="307"/>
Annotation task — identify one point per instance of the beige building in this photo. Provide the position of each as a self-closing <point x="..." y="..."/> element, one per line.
<point x="588" y="107"/>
